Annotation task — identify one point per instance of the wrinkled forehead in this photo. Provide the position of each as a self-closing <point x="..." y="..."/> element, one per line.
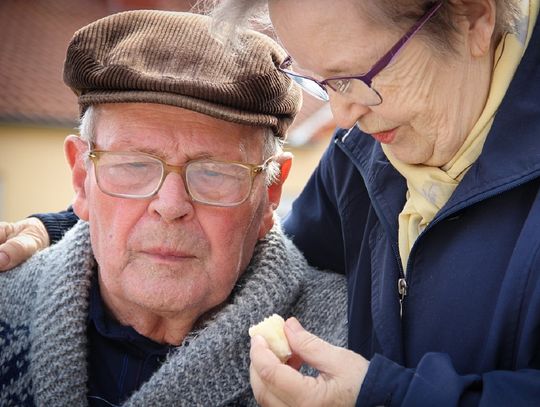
<point x="338" y="17"/>
<point x="167" y="130"/>
<point x="315" y="33"/>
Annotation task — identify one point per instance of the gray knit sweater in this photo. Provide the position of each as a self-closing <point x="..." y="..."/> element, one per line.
<point x="43" y="318"/>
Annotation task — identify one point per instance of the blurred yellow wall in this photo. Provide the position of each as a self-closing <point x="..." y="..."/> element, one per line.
<point x="305" y="160"/>
<point x="34" y="176"/>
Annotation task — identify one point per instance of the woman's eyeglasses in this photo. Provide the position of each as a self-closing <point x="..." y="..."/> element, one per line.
<point x="357" y="87"/>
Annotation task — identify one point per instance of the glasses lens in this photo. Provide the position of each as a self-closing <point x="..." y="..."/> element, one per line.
<point x="310" y="86"/>
<point x="128" y="174"/>
<point x="216" y="183"/>
<point x="355" y="90"/>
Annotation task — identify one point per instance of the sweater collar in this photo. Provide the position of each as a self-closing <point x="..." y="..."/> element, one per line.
<point x="211" y="368"/>
<point x="58" y="328"/>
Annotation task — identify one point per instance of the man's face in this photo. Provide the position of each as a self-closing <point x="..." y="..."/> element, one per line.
<point x="167" y="254"/>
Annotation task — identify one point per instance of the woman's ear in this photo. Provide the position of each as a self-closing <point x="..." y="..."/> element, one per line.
<point x="274" y="193"/>
<point x="481" y="16"/>
<point x="75" y="150"/>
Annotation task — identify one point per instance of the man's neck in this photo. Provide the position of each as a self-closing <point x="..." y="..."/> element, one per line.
<point x="162" y="327"/>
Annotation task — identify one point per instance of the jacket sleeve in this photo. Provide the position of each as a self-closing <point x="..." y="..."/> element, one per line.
<point x="436" y="383"/>
<point x="314" y="223"/>
<point x="57" y="223"/>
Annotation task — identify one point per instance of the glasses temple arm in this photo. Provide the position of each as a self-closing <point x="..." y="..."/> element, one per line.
<point x="399" y="45"/>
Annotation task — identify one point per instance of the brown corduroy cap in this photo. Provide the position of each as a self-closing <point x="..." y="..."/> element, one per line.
<point x="149" y="56"/>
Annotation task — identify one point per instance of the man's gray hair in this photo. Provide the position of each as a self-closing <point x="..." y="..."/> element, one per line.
<point x="273" y="146"/>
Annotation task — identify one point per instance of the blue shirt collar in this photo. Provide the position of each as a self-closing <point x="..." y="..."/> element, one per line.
<point x="108" y="327"/>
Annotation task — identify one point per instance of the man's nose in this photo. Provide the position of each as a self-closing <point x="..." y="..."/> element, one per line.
<point x="346" y="112"/>
<point x="172" y="201"/>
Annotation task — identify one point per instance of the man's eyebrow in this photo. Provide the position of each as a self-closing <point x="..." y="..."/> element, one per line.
<point x="166" y="156"/>
<point x="161" y="153"/>
<point x="126" y="146"/>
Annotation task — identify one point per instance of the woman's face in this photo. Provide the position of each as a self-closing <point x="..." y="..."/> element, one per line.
<point x="430" y="102"/>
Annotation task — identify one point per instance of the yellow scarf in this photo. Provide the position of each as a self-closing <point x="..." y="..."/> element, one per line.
<point x="429" y="188"/>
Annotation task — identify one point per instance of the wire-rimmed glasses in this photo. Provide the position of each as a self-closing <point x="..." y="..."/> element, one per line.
<point x="137" y="175"/>
<point x="357" y="87"/>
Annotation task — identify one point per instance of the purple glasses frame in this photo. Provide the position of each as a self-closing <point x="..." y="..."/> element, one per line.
<point x="366" y="78"/>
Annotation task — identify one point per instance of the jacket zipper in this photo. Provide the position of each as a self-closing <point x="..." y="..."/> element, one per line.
<point x="402" y="290"/>
<point x="402" y="285"/>
<point x="402" y="280"/>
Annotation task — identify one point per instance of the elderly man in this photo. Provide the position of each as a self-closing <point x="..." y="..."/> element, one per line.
<point x="177" y="173"/>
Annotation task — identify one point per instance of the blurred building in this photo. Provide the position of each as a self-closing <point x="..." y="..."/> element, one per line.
<point x="37" y="110"/>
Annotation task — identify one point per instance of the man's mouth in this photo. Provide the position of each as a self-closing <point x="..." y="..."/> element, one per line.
<point x="163" y="254"/>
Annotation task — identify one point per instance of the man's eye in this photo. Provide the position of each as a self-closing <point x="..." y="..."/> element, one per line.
<point x="130" y="169"/>
<point x="134" y="166"/>
<point x="141" y="166"/>
<point x="212" y="174"/>
<point x="138" y="165"/>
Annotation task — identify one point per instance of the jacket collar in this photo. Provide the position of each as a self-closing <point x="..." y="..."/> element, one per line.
<point x="510" y="157"/>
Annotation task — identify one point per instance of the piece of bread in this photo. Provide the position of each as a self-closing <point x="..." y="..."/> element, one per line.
<point x="271" y="329"/>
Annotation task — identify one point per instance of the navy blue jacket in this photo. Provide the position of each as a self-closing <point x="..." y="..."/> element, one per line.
<point x="470" y="327"/>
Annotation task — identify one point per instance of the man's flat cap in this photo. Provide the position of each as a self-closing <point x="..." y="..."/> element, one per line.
<point x="149" y="56"/>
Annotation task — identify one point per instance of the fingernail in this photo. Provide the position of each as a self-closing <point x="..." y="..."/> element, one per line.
<point x="293" y="324"/>
<point x="4" y="259"/>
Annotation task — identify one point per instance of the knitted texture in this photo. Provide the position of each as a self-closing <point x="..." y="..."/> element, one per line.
<point x="149" y="56"/>
<point x="44" y="306"/>
<point x="57" y="223"/>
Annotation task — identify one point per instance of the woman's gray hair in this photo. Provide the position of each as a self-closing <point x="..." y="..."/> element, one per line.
<point x="231" y="15"/>
<point x="394" y="14"/>
<point x="273" y="146"/>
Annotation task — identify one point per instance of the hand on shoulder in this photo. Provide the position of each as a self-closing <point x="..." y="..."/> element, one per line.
<point x="20" y="240"/>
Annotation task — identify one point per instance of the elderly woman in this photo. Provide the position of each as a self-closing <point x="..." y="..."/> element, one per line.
<point x="427" y="199"/>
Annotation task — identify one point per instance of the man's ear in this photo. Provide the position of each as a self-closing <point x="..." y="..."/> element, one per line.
<point x="481" y="17"/>
<point x="75" y="149"/>
<point x="274" y="193"/>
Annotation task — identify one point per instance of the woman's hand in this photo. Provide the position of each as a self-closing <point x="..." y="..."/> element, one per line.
<point x="276" y="384"/>
<point x="20" y="240"/>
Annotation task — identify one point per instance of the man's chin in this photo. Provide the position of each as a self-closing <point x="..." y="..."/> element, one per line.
<point x="167" y="301"/>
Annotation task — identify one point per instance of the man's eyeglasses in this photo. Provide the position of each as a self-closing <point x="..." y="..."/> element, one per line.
<point x="356" y="86"/>
<point x="138" y="175"/>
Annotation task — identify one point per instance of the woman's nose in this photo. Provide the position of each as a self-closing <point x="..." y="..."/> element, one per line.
<point x="346" y="112"/>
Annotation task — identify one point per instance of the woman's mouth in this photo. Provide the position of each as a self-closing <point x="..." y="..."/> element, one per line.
<point x="385" y="137"/>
